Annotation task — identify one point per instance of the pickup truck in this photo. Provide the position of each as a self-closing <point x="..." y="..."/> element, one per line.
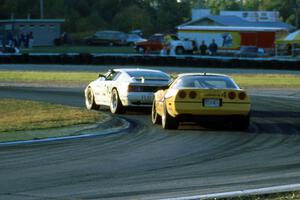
<point x="154" y="43"/>
<point x="158" y="41"/>
<point x="182" y="46"/>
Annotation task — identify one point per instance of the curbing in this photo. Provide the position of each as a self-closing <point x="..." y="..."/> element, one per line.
<point x="125" y="125"/>
<point x="240" y="193"/>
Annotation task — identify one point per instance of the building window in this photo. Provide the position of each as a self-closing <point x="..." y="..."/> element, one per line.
<point x="264" y="14"/>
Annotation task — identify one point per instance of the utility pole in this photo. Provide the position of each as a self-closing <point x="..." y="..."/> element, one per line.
<point x="42" y="8"/>
<point x="242" y="5"/>
<point x="297" y="13"/>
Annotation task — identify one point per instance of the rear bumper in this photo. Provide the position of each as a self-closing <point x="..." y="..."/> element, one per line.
<point x="210" y="118"/>
<point x="138" y="99"/>
<point x="197" y="109"/>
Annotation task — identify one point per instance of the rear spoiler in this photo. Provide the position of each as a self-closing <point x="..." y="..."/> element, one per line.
<point x="142" y="79"/>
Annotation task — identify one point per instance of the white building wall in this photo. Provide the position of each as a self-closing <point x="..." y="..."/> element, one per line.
<point x="43" y="33"/>
<point x="253" y="16"/>
<point x="207" y="37"/>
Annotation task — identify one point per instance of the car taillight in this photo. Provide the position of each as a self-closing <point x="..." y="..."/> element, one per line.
<point x="231" y="95"/>
<point x="134" y="88"/>
<point x="182" y="94"/>
<point x="242" y="95"/>
<point x="192" y="94"/>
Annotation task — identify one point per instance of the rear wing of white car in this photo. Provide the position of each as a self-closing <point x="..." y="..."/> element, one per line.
<point x="143" y="79"/>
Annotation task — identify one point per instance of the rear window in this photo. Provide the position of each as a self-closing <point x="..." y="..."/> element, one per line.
<point x="208" y="82"/>
<point x="133" y="36"/>
<point x="148" y="74"/>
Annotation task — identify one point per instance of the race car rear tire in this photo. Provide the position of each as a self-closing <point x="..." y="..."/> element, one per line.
<point x="90" y="100"/>
<point x="155" y="117"/>
<point x="168" y="122"/>
<point x="116" y="106"/>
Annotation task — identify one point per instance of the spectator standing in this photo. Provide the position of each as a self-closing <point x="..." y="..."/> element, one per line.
<point x="10" y="39"/>
<point x="203" y="48"/>
<point x="26" y="44"/>
<point x="65" y="37"/>
<point x="167" y="39"/>
<point x="289" y="49"/>
<point x="3" y="43"/>
<point x="16" y="42"/>
<point x="30" y="40"/>
<point x="22" y="40"/>
<point x="213" y="47"/>
<point x="163" y="51"/>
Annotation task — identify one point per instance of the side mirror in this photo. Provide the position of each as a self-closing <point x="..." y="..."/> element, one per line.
<point x="101" y="76"/>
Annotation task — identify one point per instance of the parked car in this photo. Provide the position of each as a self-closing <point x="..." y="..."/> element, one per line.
<point x="132" y="39"/>
<point x="120" y="88"/>
<point x="154" y="43"/>
<point x="137" y="32"/>
<point x="107" y="38"/>
<point x="201" y="96"/>
<point x="251" y="51"/>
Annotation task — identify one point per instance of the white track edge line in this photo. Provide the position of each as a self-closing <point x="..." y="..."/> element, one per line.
<point x="125" y="126"/>
<point x="266" y="190"/>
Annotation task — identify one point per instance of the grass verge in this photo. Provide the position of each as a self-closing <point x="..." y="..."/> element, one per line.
<point x="267" y="80"/>
<point x="57" y="78"/>
<point x="47" y="76"/>
<point x="275" y="196"/>
<point x="23" y="115"/>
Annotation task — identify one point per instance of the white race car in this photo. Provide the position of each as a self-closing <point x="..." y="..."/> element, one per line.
<point x="120" y="88"/>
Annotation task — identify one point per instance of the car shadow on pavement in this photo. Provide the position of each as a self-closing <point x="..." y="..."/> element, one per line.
<point x="275" y="114"/>
<point x="132" y="111"/>
<point x="275" y="122"/>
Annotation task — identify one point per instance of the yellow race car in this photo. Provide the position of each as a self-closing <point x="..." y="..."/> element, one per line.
<point x="201" y="97"/>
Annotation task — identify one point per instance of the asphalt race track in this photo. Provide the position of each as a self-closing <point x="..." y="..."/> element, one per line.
<point x="148" y="162"/>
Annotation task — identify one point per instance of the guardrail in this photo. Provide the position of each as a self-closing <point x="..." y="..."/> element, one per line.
<point x="151" y="60"/>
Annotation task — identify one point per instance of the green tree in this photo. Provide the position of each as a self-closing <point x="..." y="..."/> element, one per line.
<point x="128" y="20"/>
<point x="149" y="15"/>
<point x="169" y="14"/>
<point x="91" y="23"/>
<point x="107" y="9"/>
<point x="54" y="9"/>
<point x="217" y="5"/>
<point x="252" y="5"/>
<point x="286" y="9"/>
<point x="197" y="3"/>
<point x="20" y="8"/>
